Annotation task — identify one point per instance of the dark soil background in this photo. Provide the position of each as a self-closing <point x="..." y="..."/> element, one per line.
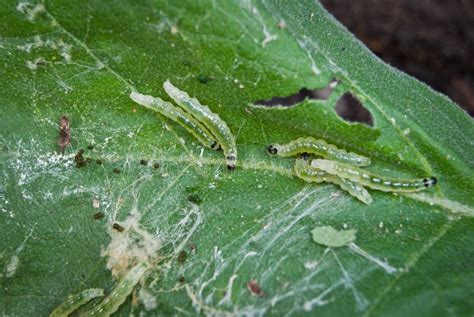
<point x="432" y="40"/>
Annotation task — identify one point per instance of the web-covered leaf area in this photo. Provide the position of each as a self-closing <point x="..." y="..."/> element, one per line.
<point x="219" y="242"/>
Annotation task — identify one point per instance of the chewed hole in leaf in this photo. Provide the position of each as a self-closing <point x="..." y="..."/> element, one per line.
<point x="351" y="109"/>
<point x="296" y="98"/>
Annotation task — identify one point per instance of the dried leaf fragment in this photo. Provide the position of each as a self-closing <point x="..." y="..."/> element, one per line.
<point x="255" y="289"/>
<point x="64" y="134"/>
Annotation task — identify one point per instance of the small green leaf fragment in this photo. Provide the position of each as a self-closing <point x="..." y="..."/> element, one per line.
<point x="328" y="236"/>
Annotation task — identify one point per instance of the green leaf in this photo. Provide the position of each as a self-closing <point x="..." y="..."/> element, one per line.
<point x="208" y="232"/>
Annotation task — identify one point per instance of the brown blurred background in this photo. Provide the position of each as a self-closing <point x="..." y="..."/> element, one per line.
<point x="432" y="40"/>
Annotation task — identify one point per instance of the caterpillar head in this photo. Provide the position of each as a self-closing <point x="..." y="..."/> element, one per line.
<point x="230" y="162"/>
<point x="272" y="150"/>
<point x="428" y="182"/>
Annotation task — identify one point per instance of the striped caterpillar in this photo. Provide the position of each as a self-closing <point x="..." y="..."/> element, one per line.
<point x="176" y="114"/>
<point x="119" y="294"/>
<point x="210" y="120"/>
<point x="73" y="302"/>
<point x="371" y="180"/>
<point x="310" y="174"/>
<point x="317" y="147"/>
<point x="198" y="119"/>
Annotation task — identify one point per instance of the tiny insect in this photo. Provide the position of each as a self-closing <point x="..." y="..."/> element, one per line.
<point x="119" y="293"/>
<point x="218" y="128"/>
<point x="73" y="302"/>
<point x="371" y="180"/>
<point x="317" y="147"/>
<point x="118" y="227"/>
<point x="310" y="174"/>
<point x="176" y="114"/>
<point x="64" y="134"/>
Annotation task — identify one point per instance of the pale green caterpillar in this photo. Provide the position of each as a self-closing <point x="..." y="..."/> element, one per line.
<point x="318" y="147"/>
<point x="370" y="180"/>
<point x="178" y="115"/>
<point x="210" y="120"/>
<point x="119" y="294"/>
<point x="310" y="174"/>
<point x="74" y="301"/>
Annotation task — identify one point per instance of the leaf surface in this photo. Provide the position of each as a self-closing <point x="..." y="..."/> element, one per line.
<point x="216" y="231"/>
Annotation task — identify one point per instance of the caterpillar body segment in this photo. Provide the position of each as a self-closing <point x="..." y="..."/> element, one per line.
<point x="73" y="302"/>
<point x="371" y="180"/>
<point x="210" y="120"/>
<point x="320" y="148"/>
<point x="310" y="174"/>
<point x="178" y="115"/>
<point x="119" y="293"/>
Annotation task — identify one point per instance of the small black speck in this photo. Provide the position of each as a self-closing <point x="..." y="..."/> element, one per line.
<point x="343" y="49"/>
<point x="116" y="171"/>
<point x="118" y="227"/>
<point x="181" y="279"/>
<point x="98" y="162"/>
<point x="156" y="165"/>
<point x="203" y="79"/>
<point x="231" y="167"/>
<point x="98" y="215"/>
<point x="182" y="257"/>
<point x="90" y="147"/>
<point x="195" y="198"/>
<point x="143" y="162"/>
<point x="434" y="180"/>
<point x="305" y="156"/>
